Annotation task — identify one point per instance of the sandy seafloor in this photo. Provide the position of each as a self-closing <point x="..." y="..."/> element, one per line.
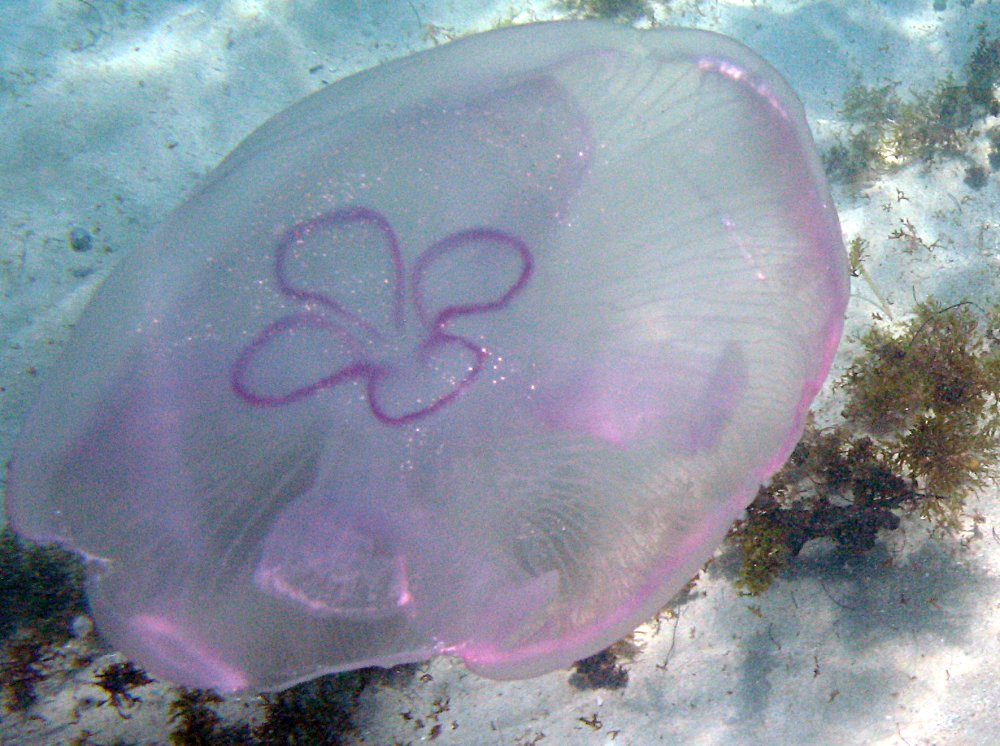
<point x="111" y="112"/>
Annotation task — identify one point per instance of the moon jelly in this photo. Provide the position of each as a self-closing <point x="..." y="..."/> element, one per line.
<point x="479" y="353"/>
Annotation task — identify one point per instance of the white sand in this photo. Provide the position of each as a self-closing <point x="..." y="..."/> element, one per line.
<point x="110" y="116"/>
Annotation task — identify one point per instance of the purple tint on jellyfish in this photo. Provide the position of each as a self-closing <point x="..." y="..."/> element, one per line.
<point x="478" y="352"/>
<point x="620" y="399"/>
<point x="182" y="655"/>
<point x="359" y="341"/>
<point x="333" y="563"/>
<point x="741" y="74"/>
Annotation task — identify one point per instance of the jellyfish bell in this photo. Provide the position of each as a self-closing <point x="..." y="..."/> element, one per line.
<point x="479" y="352"/>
